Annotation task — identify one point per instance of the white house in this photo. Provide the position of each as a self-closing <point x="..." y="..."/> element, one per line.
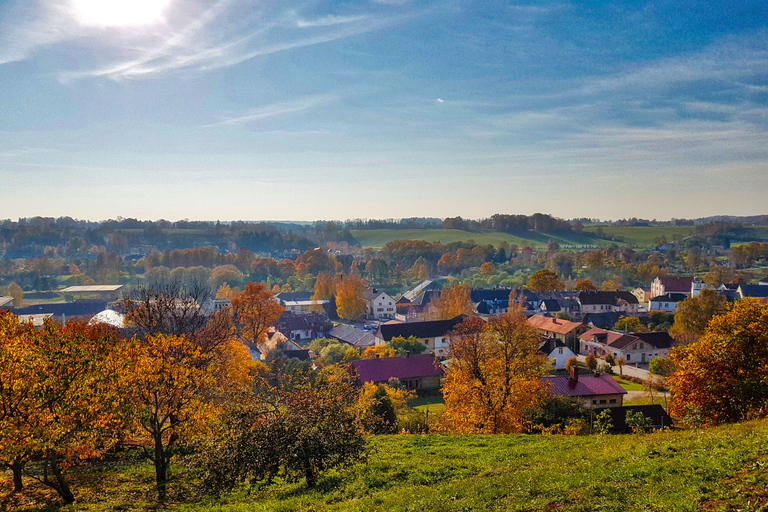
<point x="667" y="284"/>
<point x="667" y="302"/>
<point x="638" y="347"/>
<point x="557" y="352"/>
<point x="380" y="304"/>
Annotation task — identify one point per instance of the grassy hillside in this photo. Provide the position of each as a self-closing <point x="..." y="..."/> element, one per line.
<point x="718" y="469"/>
<point x="379" y="237"/>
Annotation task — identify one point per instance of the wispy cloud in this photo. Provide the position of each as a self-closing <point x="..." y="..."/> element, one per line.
<point x="275" y="110"/>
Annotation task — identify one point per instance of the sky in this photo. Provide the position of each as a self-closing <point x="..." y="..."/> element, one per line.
<point x="283" y="110"/>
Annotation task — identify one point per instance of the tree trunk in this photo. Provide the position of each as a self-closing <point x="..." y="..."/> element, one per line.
<point x="309" y="473"/>
<point x="161" y="464"/>
<point x="60" y="485"/>
<point x="17" y="466"/>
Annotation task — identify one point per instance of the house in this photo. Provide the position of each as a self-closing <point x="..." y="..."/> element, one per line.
<point x="303" y="326"/>
<point x="557" y="352"/>
<point x="302" y="307"/>
<point x="602" y="320"/>
<point x="419" y="372"/>
<point x="667" y="302"/>
<point x="604" y="301"/>
<point x="659" y="417"/>
<point x="492" y="307"/>
<point x="350" y="335"/>
<point x="402" y="305"/>
<point x="420" y="304"/>
<point x="638" y="347"/>
<point x="667" y="284"/>
<point x="763" y="281"/>
<point x="593" y="390"/>
<point x="755" y="291"/>
<point x="643" y="294"/>
<point x="698" y="285"/>
<point x="435" y="334"/>
<point x="381" y="305"/>
<point x="6" y="303"/>
<point x="276" y="341"/>
<point x="564" y="330"/>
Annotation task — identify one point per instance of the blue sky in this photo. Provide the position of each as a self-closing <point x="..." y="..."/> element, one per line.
<point x="234" y="109"/>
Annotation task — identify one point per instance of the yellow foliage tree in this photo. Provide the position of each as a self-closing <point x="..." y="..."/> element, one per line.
<point x="379" y="351"/>
<point x="167" y="382"/>
<point x="350" y="298"/>
<point x="493" y="379"/>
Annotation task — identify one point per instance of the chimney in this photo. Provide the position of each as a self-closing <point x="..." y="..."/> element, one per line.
<point x="574" y="378"/>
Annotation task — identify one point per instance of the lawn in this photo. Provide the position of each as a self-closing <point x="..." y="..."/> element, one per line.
<point x="433" y="404"/>
<point x="724" y="468"/>
<point x="629" y="385"/>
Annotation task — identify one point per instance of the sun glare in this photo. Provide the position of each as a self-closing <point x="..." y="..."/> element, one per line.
<point x="118" y="13"/>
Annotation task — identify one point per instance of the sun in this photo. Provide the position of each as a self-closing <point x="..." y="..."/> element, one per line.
<point x="119" y="13"/>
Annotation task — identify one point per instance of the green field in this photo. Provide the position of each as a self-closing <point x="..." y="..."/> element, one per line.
<point x="378" y="238"/>
<point x="641" y="236"/>
<point x="724" y="468"/>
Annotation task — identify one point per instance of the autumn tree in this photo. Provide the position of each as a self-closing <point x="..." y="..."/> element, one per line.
<point x="723" y="377"/>
<point x="621" y="363"/>
<point x="257" y="310"/>
<point x="545" y="281"/>
<point x="590" y="362"/>
<point x="493" y="379"/>
<point x="350" y="298"/>
<point x="17" y="293"/>
<point x="60" y="396"/>
<point x="452" y="302"/>
<point x="167" y="380"/>
<point x="629" y="324"/>
<point x="404" y="346"/>
<point x="297" y="433"/>
<point x="379" y="351"/>
<point x="694" y="314"/>
<point x="585" y="285"/>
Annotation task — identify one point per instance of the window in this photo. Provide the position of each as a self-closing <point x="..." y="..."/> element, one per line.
<point x="602" y="401"/>
<point x="634" y="346"/>
<point x="560" y="350"/>
<point x="629" y="357"/>
<point x="613" y="400"/>
<point x="594" y="402"/>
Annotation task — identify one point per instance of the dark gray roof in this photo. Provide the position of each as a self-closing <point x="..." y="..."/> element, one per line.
<point x="294" y="296"/>
<point x="670" y="297"/>
<point x="659" y="339"/>
<point x="428" y="329"/>
<point x="490" y="294"/>
<point x="754" y="290"/>
<point x="604" y="297"/>
<point x="551" y="305"/>
<point x="351" y="336"/>
<point x="69" y="309"/>
<point x="604" y="320"/>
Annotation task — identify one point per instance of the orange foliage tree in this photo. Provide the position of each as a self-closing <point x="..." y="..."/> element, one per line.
<point x="350" y="298"/>
<point x="723" y="377"/>
<point x="493" y="379"/>
<point x="257" y="310"/>
<point x="60" y="397"/>
<point x="585" y="285"/>
<point x="545" y="281"/>
<point x="452" y="302"/>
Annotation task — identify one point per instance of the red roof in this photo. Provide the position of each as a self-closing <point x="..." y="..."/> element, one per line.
<point x="587" y="385"/>
<point x="676" y="284"/>
<point x="411" y="367"/>
<point x="550" y="324"/>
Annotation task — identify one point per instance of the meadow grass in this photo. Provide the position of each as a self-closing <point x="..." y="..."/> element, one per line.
<point x="723" y="468"/>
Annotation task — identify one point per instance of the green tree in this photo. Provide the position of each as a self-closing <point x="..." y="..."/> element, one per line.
<point x="603" y="423"/>
<point x="638" y="422"/>
<point x="661" y="366"/>
<point x="404" y="346"/>
<point x="694" y="313"/>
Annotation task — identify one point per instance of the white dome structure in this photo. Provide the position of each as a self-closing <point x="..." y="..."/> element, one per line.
<point x="109" y="317"/>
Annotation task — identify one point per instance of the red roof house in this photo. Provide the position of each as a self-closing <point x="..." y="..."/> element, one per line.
<point x="420" y="371"/>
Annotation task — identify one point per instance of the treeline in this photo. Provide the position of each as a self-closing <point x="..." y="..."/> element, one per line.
<point x="538" y="222"/>
<point x="65" y="237"/>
